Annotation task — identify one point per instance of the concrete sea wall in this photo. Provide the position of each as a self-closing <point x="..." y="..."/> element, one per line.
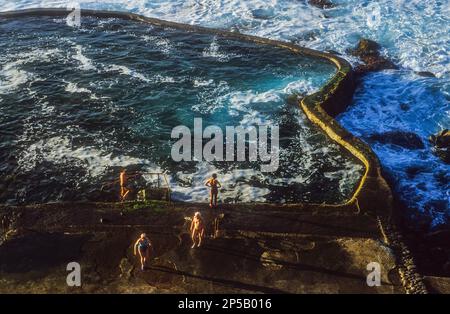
<point x="369" y="207"/>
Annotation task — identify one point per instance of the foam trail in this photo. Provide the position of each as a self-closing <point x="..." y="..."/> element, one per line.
<point x="58" y="150"/>
<point x="12" y="75"/>
<point x="85" y="63"/>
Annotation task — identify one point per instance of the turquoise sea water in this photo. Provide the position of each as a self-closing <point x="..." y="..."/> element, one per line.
<point x="79" y="103"/>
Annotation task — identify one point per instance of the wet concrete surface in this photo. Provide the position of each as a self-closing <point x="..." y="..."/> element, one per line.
<point x="41" y="240"/>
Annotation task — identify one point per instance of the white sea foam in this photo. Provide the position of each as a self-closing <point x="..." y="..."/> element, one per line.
<point x="212" y="98"/>
<point x="213" y="51"/>
<point x="237" y="187"/>
<point x="304" y="86"/>
<point x="86" y="64"/>
<point x="127" y="71"/>
<point x="165" y="79"/>
<point x="73" y="88"/>
<point x="392" y="101"/>
<point x="47" y="109"/>
<point x="124" y="70"/>
<point x="163" y="44"/>
<point x="414" y="33"/>
<point x="240" y="100"/>
<point x="59" y="150"/>
<point x="200" y="83"/>
<point x="245" y="104"/>
<point x="12" y="75"/>
<point x="234" y="189"/>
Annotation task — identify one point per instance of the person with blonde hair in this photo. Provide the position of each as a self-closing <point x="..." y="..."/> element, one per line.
<point x="144" y="245"/>
<point x="197" y="230"/>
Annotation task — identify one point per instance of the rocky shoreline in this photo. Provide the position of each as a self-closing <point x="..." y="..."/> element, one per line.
<point x="310" y="247"/>
<point x="282" y="250"/>
<point x="257" y="250"/>
<point x="431" y="250"/>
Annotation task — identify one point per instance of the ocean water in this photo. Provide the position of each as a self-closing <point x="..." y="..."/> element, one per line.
<point x="79" y="103"/>
<point x="415" y="34"/>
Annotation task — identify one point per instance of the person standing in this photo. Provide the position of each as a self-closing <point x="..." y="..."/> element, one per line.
<point x="197" y="230"/>
<point x="143" y="245"/>
<point x="124" y="190"/>
<point x="214" y="186"/>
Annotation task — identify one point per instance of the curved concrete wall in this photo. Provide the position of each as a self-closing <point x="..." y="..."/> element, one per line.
<point x="372" y="193"/>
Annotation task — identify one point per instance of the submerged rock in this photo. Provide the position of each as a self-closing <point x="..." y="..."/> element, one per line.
<point x="442" y="177"/>
<point x="441" y="143"/>
<point x="413" y="171"/>
<point x="322" y="4"/>
<point x="368" y="51"/>
<point x="262" y="14"/>
<point x="404" y="139"/>
<point x="334" y="52"/>
<point x="365" y="48"/>
<point x="295" y="99"/>
<point x="425" y="74"/>
<point x="404" y="107"/>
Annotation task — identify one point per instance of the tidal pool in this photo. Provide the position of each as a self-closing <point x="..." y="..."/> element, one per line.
<point x="77" y="104"/>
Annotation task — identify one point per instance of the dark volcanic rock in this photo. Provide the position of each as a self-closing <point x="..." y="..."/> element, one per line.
<point x="440" y="206"/>
<point x="438" y="284"/>
<point x="365" y="48"/>
<point x="442" y="177"/>
<point x="294" y="99"/>
<point x="36" y="251"/>
<point x="413" y="171"/>
<point x="438" y="255"/>
<point x="441" y="143"/>
<point x="333" y="52"/>
<point x="322" y="4"/>
<point x="404" y="107"/>
<point x="319" y="252"/>
<point x="425" y="74"/>
<point x="375" y="64"/>
<point x="439" y="238"/>
<point x="446" y="267"/>
<point x="368" y="51"/>
<point x="404" y="139"/>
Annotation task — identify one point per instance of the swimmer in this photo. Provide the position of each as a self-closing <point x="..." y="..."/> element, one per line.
<point x="123" y="185"/>
<point x="214" y="184"/>
<point x="197" y="230"/>
<point x="144" y="244"/>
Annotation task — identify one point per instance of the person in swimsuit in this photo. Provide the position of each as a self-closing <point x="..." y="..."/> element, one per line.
<point x="197" y="230"/>
<point x="123" y="185"/>
<point x="214" y="184"/>
<point x="144" y="244"/>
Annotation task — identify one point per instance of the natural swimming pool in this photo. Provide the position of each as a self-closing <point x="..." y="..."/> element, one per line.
<point x="77" y="104"/>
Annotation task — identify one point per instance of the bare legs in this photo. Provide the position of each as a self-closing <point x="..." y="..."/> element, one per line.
<point x="194" y="238"/>
<point x="213" y="199"/>
<point x="123" y="193"/>
<point x="144" y="257"/>
<point x="197" y="234"/>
